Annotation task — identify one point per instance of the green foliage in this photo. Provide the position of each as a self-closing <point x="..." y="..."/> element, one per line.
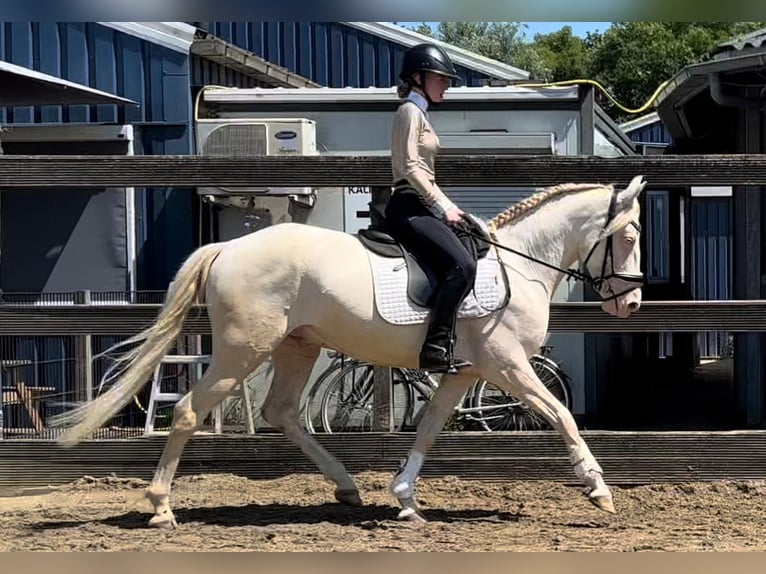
<point x="564" y="55"/>
<point x="502" y="41"/>
<point x="630" y="59"/>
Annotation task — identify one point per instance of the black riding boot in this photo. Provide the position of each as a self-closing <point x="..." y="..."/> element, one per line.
<point x="436" y="354"/>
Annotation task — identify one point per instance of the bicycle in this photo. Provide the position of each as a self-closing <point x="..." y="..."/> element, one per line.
<point x="346" y="402"/>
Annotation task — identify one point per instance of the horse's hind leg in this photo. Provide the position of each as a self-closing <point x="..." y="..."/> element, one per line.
<point x="226" y="371"/>
<point x="440" y="407"/>
<point x="293" y="361"/>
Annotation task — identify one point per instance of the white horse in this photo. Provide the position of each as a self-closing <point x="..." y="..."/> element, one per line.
<point x="282" y="293"/>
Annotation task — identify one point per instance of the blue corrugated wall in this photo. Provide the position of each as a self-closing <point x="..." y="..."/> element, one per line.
<point x="102" y="58"/>
<point x="329" y="53"/>
<point x="157" y="78"/>
<point x="653" y="133"/>
<point x="711" y="247"/>
<point x="711" y="253"/>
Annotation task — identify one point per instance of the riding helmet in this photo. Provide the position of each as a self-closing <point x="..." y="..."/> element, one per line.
<point x="427" y="58"/>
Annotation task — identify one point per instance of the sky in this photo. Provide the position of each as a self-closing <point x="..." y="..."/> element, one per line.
<point x="578" y="28"/>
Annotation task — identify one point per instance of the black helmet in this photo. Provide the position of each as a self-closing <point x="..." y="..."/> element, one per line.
<point x="427" y="58"/>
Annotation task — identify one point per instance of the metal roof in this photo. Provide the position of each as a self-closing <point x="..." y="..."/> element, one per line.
<point x="20" y="86"/>
<point x="612" y="131"/>
<point x="752" y="40"/>
<point x="337" y="95"/>
<point x="640" y="122"/>
<point x="179" y="36"/>
<point x="176" y="36"/>
<point x="466" y="58"/>
<point x="743" y="54"/>
<point x="217" y="50"/>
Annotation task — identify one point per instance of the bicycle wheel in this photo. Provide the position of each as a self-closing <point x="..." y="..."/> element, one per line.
<point x="312" y="408"/>
<point x="499" y="410"/>
<point x="347" y="403"/>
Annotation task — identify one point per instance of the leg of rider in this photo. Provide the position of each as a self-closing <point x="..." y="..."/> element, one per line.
<point x="457" y="271"/>
<point x="438" y="346"/>
<point x="435" y="243"/>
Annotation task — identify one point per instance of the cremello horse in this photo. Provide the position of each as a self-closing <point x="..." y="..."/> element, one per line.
<point x="288" y="290"/>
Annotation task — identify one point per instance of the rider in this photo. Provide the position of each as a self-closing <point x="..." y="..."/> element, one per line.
<point x="419" y="215"/>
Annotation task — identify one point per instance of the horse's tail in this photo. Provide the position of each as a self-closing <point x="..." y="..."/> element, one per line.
<point x="135" y="367"/>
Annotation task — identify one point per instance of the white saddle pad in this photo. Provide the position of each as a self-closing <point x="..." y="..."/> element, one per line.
<point x="393" y="304"/>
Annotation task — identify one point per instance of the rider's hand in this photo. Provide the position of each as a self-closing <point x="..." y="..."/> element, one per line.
<point x="454" y="215"/>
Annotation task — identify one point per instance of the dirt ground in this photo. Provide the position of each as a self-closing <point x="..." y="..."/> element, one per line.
<point x="298" y="513"/>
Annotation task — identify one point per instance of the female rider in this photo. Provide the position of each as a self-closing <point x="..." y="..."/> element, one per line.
<point x="419" y="215"/>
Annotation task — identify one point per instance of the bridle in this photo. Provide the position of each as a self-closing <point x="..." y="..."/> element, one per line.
<point x="583" y="274"/>
<point x="598" y="282"/>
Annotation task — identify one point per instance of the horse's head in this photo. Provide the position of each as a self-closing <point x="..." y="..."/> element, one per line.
<point x="611" y="255"/>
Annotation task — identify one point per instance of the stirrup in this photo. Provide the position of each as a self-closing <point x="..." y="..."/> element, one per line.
<point x="452" y="368"/>
<point x="450" y="365"/>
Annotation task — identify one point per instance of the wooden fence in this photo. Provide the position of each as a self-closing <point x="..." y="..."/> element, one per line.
<point x="61" y="172"/>
<point x="325" y="171"/>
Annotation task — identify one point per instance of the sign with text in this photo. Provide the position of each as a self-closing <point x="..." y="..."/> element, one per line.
<point x="356" y="206"/>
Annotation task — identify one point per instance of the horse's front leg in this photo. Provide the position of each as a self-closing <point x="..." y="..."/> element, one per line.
<point x="440" y="407"/>
<point x="519" y="379"/>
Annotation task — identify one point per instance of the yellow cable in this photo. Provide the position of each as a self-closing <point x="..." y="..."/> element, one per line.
<point x="600" y="87"/>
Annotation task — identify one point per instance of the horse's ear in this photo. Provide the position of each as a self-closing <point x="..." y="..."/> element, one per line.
<point x="627" y="205"/>
<point x="627" y="196"/>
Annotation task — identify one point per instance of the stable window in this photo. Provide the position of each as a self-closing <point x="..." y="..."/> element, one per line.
<point x="658" y="237"/>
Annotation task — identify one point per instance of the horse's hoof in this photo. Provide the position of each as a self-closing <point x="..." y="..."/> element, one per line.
<point x="165" y="521"/>
<point x="411" y="515"/>
<point x="350" y="497"/>
<point x="604" y="503"/>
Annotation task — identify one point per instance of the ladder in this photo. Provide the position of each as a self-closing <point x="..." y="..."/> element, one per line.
<point x="156" y="395"/>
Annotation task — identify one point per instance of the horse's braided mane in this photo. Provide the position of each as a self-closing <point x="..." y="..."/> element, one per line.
<point x="526" y="205"/>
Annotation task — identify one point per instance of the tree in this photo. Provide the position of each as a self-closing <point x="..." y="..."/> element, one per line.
<point x="500" y="41"/>
<point x="564" y="56"/>
<point x="631" y="59"/>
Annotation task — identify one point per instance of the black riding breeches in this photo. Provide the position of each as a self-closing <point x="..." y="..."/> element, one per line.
<point x="434" y="243"/>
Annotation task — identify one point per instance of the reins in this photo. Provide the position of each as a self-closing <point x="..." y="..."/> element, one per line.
<point x="582" y="274"/>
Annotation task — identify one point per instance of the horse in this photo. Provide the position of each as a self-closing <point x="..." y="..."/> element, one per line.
<point x="280" y="293"/>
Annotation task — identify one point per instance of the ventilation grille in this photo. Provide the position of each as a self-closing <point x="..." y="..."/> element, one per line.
<point x="237" y="140"/>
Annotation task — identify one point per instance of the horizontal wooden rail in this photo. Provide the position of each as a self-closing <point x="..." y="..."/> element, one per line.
<point x="628" y="458"/>
<point x="654" y="316"/>
<point x="478" y="170"/>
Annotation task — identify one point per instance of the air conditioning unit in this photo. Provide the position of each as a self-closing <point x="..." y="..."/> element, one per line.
<point x="256" y="137"/>
<point x="498" y="142"/>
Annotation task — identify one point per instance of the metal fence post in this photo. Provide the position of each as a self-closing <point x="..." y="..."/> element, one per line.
<point x="382" y="420"/>
<point x="83" y="348"/>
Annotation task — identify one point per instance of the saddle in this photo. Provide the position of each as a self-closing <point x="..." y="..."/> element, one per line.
<point x="422" y="282"/>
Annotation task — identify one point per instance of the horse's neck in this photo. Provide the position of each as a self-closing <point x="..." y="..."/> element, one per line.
<point x="551" y="233"/>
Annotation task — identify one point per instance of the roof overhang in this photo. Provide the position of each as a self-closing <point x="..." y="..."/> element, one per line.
<point x="20" y="86"/>
<point x="695" y="79"/>
<point x="372" y="95"/>
<point x="215" y="49"/>
<point x="613" y="132"/>
<point x="640" y="122"/>
<point x="177" y="36"/>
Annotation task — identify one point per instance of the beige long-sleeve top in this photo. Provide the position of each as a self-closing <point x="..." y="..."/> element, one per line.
<point x="414" y="145"/>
